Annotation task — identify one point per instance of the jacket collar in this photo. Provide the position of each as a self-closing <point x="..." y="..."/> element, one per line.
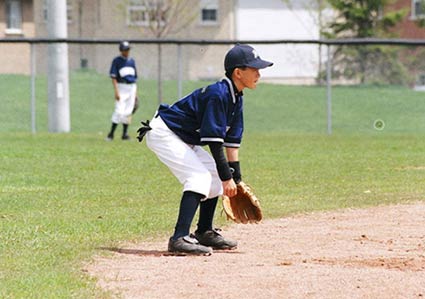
<point x="232" y="89"/>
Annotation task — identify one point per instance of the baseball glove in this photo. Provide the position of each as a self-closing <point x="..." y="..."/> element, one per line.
<point x="244" y="207"/>
<point x="143" y="130"/>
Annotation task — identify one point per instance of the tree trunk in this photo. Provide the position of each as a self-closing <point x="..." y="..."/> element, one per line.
<point x="363" y="64"/>
<point x="159" y="73"/>
<point x="319" y="72"/>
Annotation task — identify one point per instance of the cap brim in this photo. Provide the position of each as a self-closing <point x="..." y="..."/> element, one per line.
<point x="260" y="64"/>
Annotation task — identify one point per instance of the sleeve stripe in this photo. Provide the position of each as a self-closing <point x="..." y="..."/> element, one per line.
<point x="213" y="139"/>
<point x="227" y="144"/>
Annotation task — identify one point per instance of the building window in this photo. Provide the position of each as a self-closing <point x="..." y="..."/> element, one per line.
<point x="418" y="9"/>
<point x="209" y="12"/>
<point x="68" y="11"/>
<point x="140" y="13"/>
<point x="137" y="15"/>
<point x="13" y="17"/>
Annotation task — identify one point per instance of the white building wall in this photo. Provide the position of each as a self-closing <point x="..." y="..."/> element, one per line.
<point x="273" y="19"/>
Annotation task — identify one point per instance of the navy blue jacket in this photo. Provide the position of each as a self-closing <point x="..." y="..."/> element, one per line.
<point x="124" y="70"/>
<point x="210" y="114"/>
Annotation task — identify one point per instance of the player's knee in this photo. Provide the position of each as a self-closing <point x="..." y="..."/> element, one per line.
<point x="200" y="183"/>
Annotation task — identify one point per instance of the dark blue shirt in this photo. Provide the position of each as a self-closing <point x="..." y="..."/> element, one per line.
<point x="210" y="114"/>
<point x="123" y="69"/>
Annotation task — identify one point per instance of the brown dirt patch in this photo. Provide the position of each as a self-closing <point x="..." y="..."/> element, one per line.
<point x="355" y="253"/>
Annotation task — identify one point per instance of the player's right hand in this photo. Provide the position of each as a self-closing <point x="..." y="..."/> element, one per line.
<point x="229" y="188"/>
<point x="117" y="96"/>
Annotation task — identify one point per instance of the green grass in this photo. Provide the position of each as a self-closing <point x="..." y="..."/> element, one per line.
<point x="291" y="109"/>
<point x="91" y="101"/>
<point x="302" y="109"/>
<point x="64" y="196"/>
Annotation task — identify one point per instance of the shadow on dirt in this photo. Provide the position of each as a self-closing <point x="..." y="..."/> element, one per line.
<point x="159" y="253"/>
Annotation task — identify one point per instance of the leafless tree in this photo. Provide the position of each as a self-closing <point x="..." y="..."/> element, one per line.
<point x="164" y="18"/>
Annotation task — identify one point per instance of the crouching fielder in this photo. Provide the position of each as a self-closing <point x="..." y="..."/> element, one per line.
<point x="208" y="116"/>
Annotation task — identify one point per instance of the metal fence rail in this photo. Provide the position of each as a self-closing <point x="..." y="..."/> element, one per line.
<point x="330" y="42"/>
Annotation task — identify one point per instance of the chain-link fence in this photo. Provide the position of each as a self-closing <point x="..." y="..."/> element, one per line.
<point x="371" y="86"/>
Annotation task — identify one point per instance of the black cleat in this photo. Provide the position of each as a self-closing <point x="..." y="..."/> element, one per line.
<point x="215" y="240"/>
<point x="188" y="245"/>
<point x="110" y="137"/>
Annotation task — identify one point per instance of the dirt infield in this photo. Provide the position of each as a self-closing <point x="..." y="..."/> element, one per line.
<point x="356" y="253"/>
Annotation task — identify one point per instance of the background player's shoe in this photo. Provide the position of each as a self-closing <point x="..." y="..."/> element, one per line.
<point x="213" y="239"/>
<point x="125" y="137"/>
<point x="189" y="245"/>
<point x="110" y="137"/>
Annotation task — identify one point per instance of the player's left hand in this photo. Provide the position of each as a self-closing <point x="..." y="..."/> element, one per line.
<point x="229" y="188"/>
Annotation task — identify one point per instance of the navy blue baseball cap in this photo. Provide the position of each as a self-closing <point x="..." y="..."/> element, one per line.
<point x="124" y="46"/>
<point x="244" y="56"/>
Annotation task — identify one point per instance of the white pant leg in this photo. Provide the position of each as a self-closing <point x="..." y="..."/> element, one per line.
<point x="208" y="161"/>
<point x="124" y="107"/>
<point x="191" y="165"/>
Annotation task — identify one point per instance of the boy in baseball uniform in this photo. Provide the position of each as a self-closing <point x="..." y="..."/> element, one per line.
<point x="123" y="73"/>
<point x="211" y="116"/>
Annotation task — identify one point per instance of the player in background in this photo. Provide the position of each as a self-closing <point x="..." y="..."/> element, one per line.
<point x="211" y="116"/>
<point x="124" y="76"/>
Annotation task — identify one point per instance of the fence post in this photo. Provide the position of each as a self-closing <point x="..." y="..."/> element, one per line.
<point x="328" y="88"/>
<point x="33" y="114"/>
<point x="179" y="71"/>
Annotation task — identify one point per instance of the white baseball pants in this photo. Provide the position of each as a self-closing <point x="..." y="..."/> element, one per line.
<point x="193" y="166"/>
<point x="124" y="107"/>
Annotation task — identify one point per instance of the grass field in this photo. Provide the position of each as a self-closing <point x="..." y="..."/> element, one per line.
<point x="63" y="196"/>
<point x="291" y="109"/>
